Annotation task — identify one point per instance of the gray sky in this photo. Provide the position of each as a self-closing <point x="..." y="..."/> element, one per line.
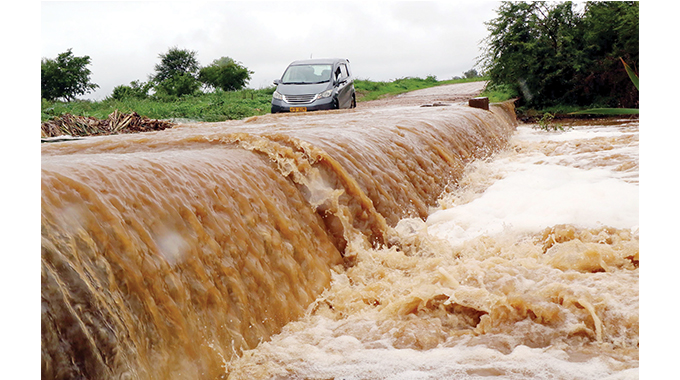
<point x="383" y="40"/>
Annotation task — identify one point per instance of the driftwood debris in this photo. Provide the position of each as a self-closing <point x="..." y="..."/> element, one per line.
<point x="116" y="123"/>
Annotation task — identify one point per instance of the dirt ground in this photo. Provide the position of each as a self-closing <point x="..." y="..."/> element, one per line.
<point x="450" y="93"/>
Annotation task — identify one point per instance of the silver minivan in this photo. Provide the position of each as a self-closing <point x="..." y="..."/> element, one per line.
<point x="315" y="84"/>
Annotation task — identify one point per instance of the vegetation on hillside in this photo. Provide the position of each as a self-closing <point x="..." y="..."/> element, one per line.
<point x="219" y="105"/>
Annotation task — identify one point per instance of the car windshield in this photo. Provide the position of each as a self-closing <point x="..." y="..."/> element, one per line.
<point x="307" y="74"/>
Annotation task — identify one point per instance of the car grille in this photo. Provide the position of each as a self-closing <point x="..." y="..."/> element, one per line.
<point x="299" y="99"/>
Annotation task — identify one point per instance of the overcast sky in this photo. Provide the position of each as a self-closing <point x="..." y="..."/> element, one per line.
<point x="383" y="40"/>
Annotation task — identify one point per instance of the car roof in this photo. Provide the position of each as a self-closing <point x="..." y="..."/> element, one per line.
<point x="319" y="61"/>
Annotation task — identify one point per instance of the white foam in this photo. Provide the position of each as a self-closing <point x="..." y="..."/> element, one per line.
<point x="343" y="357"/>
<point x="537" y="191"/>
<point x="516" y="192"/>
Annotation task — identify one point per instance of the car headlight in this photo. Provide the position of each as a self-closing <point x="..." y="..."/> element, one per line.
<point x="325" y="94"/>
<point x="277" y="95"/>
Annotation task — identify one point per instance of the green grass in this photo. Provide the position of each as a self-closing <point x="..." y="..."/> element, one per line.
<point x="499" y="93"/>
<point x="217" y="106"/>
<point x="221" y="105"/>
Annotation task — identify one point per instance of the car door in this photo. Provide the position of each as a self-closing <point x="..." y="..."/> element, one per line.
<point x="344" y="86"/>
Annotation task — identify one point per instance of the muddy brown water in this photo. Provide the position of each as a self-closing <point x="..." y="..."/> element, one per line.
<point x="166" y="253"/>
<point x="297" y="246"/>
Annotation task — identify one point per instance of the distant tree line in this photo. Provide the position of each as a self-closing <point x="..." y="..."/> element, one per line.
<point x="550" y="53"/>
<point x="472" y="73"/>
<point x="178" y="74"/>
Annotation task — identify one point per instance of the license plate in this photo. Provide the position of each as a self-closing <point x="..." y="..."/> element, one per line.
<point x="298" y="109"/>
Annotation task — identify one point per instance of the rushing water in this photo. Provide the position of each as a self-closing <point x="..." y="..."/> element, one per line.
<point x="169" y="254"/>
<point x="527" y="269"/>
<point x="402" y="243"/>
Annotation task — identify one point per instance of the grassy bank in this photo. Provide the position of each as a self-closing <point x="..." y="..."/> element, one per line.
<point x="220" y="106"/>
<point x="217" y="106"/>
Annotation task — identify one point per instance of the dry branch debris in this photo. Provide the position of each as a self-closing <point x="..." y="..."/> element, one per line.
<point x="116" y="123"/>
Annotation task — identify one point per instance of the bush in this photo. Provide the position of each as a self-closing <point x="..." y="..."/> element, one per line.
<point x="177" y="86"/>
<point x="135" y="90"/>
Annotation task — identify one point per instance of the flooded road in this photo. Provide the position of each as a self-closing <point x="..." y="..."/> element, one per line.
<point x="448" y="94"/>
<point x="397" y="242"/>
<point x="528" y="268"/>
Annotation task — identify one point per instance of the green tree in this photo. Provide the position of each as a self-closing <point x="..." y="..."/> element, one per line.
<point x="65" y="77"/>
<point x="177" y="86"/>
<point x="225" y="74"/>
<point x="553" y="55"/>
<point x="610" y="33"/>
<point x="529" y="48"/>
<point x="176" y="61"/>
<point x="472" y="73"/>
<point x="136" y="90"/>
<point x="177" y="73"/>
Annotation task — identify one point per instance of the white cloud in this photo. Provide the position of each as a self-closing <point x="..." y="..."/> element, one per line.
<point x="384" y="40"/>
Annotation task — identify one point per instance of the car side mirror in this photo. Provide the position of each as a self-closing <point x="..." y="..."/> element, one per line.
<point x="277" y="81"/>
